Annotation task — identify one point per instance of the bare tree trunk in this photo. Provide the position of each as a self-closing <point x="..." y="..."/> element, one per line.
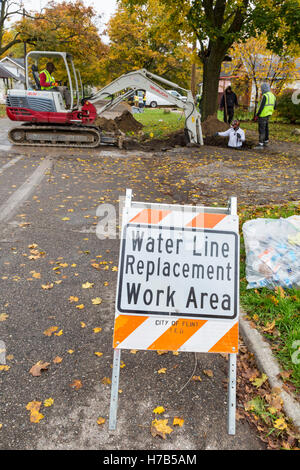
<point x="193" y="74"/>
<point x="211" y="75"/>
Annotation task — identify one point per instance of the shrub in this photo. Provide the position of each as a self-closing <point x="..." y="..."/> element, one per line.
<point x="286" y="108"/>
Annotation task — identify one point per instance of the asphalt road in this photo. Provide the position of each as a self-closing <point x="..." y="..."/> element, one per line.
<point x="48" y="251"/>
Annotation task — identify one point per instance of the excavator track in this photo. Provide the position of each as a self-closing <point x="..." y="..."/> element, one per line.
<point x="57" y="136"/>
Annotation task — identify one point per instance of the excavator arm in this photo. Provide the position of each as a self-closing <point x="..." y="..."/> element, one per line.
<point x="144" y="80"/>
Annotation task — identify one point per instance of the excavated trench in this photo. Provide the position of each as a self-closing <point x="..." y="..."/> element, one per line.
<point x="125" y="124"/>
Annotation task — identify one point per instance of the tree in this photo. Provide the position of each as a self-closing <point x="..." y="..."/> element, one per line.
<point x="67" y="26"/>
<point x="8" y="9"/>
<point x="217" y="24"/>
<point x="142" y="39"/>
<point x="256" y="64"/>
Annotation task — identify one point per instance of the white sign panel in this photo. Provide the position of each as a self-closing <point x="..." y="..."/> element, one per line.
<point x="183" y="272"/>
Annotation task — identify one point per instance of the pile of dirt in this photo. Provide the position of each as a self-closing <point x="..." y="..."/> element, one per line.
<point x="107" y="125"/>
<point x="212" y="125"/>
<point x="124" y="123"/>
<point x="127" y="123"/>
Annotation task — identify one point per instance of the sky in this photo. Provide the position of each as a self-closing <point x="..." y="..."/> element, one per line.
<point x="105" y="7"/>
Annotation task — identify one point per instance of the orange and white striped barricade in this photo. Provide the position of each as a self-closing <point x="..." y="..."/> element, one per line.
<point x="178" y="285"/>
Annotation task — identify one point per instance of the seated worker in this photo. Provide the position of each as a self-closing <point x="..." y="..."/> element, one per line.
<point x="48" y="83"/>
<point x="235" y="134"/>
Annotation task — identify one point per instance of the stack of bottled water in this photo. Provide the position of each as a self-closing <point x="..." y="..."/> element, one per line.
<point x="272" y="252"/>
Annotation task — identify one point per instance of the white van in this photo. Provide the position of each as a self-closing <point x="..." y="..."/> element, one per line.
<point x="154" y="100"/>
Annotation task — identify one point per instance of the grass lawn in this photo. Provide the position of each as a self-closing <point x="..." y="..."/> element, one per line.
<point x="158" y="124"/>
<point x="2" y="110"/>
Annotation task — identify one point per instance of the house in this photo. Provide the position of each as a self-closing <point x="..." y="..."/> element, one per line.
<point x="12" y="75"/>
<point x="267" y="69"/>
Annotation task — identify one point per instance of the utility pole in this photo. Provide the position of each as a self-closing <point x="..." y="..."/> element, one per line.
<point x="25" y="52"/>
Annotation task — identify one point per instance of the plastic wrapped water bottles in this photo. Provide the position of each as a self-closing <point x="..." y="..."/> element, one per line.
<point x="272" y="252"/>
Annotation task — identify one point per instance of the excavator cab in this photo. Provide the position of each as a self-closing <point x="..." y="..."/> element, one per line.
<point x="63" y="61"/>
<point x="57" y="105"/>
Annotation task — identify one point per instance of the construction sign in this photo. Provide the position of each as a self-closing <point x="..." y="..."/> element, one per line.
<point x="178" y="284"/>
<point x="178" y="280"/>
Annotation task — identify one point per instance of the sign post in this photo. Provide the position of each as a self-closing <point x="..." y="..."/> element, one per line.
<point x="178" y="285"/>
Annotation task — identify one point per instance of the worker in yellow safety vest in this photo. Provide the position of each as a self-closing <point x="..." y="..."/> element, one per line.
<point x="47" y="81"/>
<point x="265" y="110"/>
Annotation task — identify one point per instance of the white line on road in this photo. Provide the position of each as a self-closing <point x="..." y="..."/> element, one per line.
<point x="10" y="163"/>
<point x="8" y="208"/>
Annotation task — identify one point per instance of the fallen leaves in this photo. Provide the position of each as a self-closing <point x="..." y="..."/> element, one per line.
<point x="77" y="384"/>
<point x="159" y="427"/>
<point x="48" y="402"/>
<point x="159" y="410"/>
<point x="34" y="408"/>
<point x="178" y="421"/>
<point x="260" y="380"/>
<point x="87" y="285"/>
<point x="57" y="360"/>
<point x="97" y="329"/>
<point x="50" y="330"/>
<point x="48" y="286"/>
<point x="36" y="370"/>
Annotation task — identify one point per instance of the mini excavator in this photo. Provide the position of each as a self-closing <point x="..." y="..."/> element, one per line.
<point x="49" y="121"/>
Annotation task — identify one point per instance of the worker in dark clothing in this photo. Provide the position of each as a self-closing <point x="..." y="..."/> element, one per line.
<point x="265" y="110"/>
<point x="228" y="102"/>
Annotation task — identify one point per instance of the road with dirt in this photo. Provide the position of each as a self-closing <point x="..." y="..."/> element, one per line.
<point x="58" y="285"/>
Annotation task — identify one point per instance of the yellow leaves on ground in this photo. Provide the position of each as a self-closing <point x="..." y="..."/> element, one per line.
<point x="280" y="424"/>
<point x="36" y="370"/>
<point x="208" y="372"/>
<point x="159" y="427"/>
<point x="34" y="408"/>
<point x="57" y="360"/>
<point x="162" y="370"/>
<point x="50" y="330"/>
<point x="178" y="421"/>
<point x="48" y="286"/>
<point x="87" y="285"/>
<point x="97" y="329"/>
<point x="260" y="380"/>
<point x="48" y="402"/>
<point x="99" y="354"/>
<point x="196" y="378"/>
<point x="3" y="316"/>
<point x="100" y="421"/>
<point x="73" y="299"/>
<point x="5" y="368"/>
<point x="159" y="410"/>
<point x="97" y="301"/>
<point x="76" y="384"/>
<point x="80" y="307"/>
<point x="106" y="381"/>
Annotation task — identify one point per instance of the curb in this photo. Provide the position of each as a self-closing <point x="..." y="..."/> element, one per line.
<point x="268" y="364"/>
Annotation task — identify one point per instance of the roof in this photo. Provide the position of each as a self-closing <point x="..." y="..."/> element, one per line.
<point x="4" y="73"/>
<point x="18" y="61"/>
